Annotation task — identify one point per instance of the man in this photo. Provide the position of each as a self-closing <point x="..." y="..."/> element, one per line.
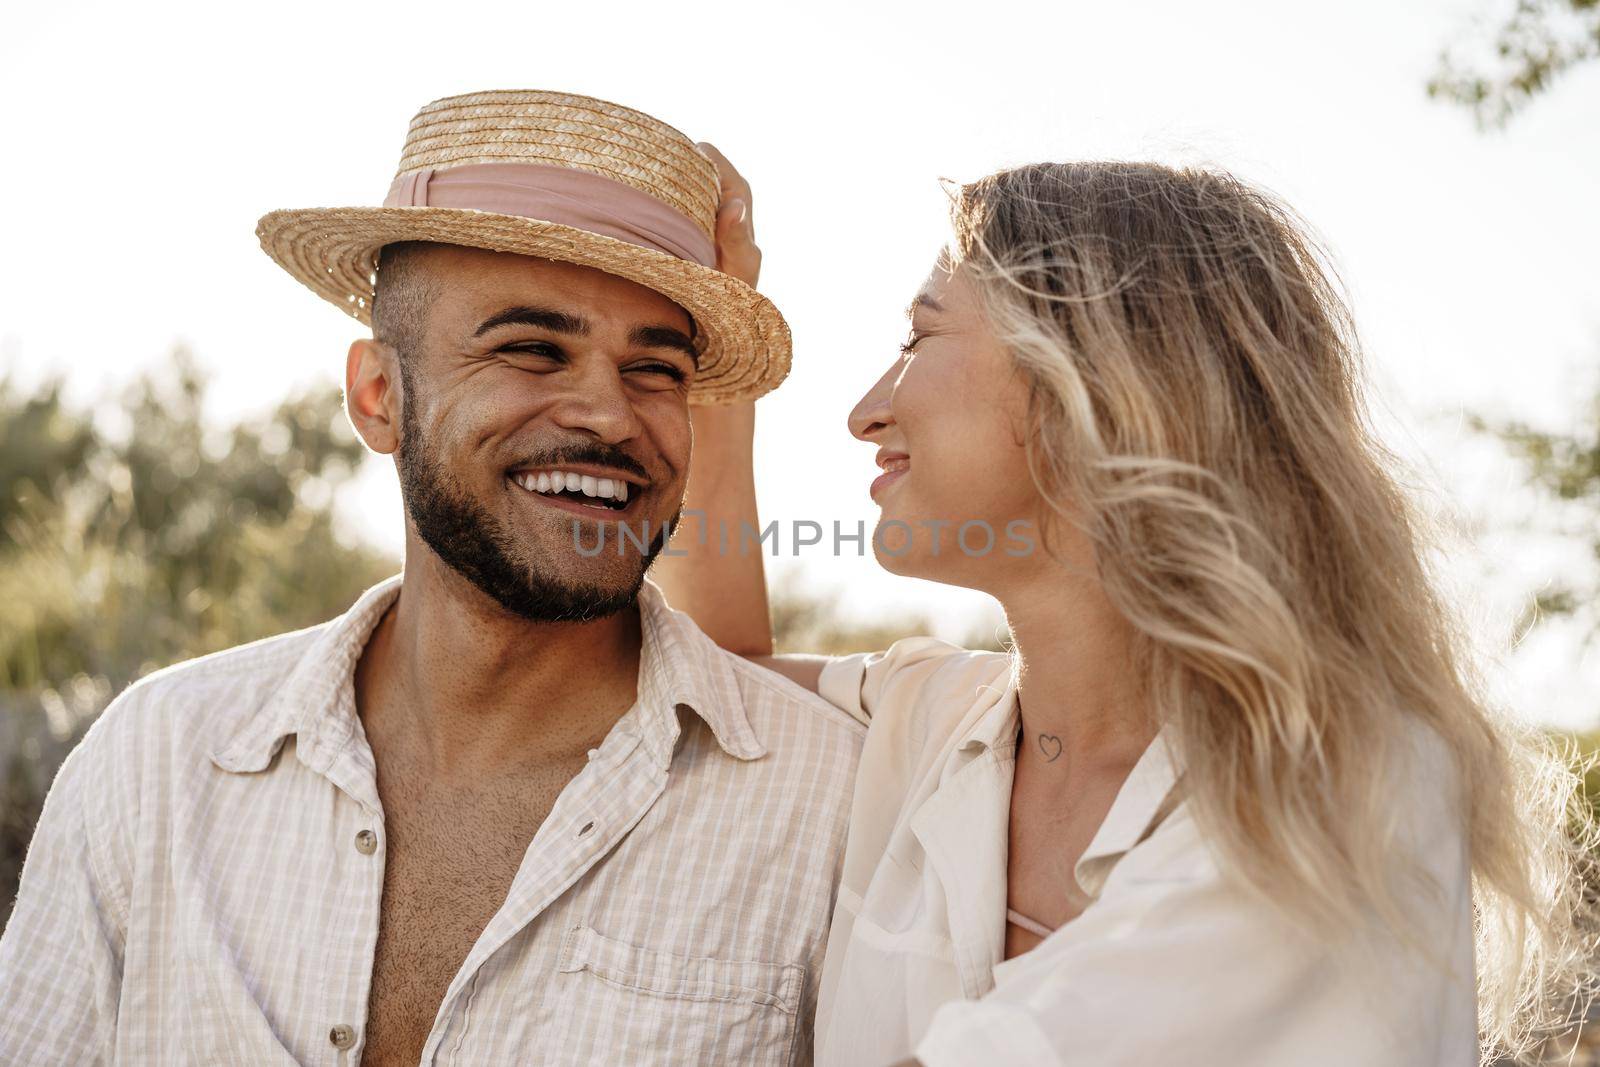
<point x="510" y="807"/>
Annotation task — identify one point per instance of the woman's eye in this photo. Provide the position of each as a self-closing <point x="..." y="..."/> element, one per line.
<point x="910" y="343"/>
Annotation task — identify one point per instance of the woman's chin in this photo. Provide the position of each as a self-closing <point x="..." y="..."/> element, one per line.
<point x="893" y="564"/>
<point x="903" y="547"/>
<point x="968" y="552"/>
<point x="945" y="569"/>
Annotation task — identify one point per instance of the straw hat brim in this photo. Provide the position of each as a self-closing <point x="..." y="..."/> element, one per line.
<point x="745" y="342"/>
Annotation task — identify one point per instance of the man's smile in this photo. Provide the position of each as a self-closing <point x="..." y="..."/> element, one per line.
<point x="573" y="490"/>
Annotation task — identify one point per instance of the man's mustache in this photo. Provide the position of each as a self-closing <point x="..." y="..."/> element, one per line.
<point x="586" y="452"/>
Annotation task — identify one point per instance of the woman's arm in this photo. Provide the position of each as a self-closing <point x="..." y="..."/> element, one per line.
<point x="725" y="589"/>
<point x="722" y="589"/>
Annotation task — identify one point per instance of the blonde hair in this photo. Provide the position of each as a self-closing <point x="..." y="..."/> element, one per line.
<point x="1196" y="409"/>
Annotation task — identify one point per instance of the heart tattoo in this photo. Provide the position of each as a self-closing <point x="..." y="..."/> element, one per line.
<point x="1050" y="745"/>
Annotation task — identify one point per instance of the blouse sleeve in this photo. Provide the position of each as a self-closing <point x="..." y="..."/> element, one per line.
<point x="857" y="684"/>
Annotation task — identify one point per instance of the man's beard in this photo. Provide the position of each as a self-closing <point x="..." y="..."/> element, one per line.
<point x="475" y="544"/>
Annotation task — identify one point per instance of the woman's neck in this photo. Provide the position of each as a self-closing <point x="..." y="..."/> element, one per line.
<point x="1077" y="694"/>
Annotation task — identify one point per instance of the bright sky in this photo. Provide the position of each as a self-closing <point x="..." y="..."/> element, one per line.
<point x="143" y="143"/>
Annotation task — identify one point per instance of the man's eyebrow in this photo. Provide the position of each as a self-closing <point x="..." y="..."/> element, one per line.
<point x="525" y="315"/>
<point x="664" y="337"/>
<point x="923" y="300"/>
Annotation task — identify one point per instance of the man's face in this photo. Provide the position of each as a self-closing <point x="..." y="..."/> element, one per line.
<point x="530" y="369"/>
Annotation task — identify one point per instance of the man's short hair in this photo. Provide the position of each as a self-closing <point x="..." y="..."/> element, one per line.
<point x="401" y="297"/>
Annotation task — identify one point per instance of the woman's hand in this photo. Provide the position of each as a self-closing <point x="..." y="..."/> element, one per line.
<point x="737" y="253"/>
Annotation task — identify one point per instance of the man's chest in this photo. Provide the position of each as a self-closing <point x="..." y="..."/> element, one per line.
<point x="637" y="892"/>
<point x="451" y="856"/>
<point x="665" y="932"/>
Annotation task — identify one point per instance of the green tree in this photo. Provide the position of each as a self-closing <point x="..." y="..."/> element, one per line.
<point x="41" y="442"/>
<point x="1565" y="467"/>
<point x="1538" y="42"/>
<point x="122" y="553"/>
<point x="806" y="620"/>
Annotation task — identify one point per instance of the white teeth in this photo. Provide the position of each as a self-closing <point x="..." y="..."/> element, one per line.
<point x="559" y="481"/>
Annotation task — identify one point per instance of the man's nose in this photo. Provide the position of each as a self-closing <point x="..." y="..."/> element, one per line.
<point x="597" y="401"/>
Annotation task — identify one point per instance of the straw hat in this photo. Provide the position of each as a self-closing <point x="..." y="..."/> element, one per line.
<point x="561" y="177"/>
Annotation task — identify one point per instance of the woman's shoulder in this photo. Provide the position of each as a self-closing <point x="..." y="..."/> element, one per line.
<point x="920" y="672"/>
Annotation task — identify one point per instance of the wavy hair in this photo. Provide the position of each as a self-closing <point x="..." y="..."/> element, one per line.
<point x="1196" y="407"/>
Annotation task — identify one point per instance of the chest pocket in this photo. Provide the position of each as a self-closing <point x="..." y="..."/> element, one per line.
<point x="625" y="1004"/>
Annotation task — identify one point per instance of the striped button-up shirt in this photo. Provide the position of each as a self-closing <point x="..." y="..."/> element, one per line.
<point x="204" y="883"/>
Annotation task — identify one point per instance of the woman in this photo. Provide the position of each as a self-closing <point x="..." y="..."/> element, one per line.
<point x="1235" y="796"/>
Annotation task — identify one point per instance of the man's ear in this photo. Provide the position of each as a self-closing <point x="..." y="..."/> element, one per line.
<point x="373" y="393"/>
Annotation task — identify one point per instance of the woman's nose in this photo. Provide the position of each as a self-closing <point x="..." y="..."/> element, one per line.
<point x="872" y="414"/>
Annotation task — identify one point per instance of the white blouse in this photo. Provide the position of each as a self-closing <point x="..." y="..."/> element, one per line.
<point x="1172" y="962"/>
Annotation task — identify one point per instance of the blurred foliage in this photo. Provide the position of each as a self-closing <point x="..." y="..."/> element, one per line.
<point x="1584" y="750"/>
<point x="119" y="554"/>
<point x="804" y="620"/>
<point x="1539" y="41"/>
<point x="130" y="548"/>
<point x="1565" y="467"/>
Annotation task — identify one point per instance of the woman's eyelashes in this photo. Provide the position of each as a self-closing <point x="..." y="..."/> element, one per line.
<point x="911" y="343"/>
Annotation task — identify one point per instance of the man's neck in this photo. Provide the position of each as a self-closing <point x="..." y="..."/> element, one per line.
<point x="470" y="689"/>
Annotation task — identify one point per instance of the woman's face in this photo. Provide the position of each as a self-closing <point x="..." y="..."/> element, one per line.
<point x="948" y="417"/>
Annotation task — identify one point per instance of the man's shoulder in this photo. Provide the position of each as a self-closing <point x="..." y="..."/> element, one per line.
<point x="262" y="660"/>
<point x="203" y="699"/>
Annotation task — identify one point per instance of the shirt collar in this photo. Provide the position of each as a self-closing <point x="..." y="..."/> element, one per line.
<point x="1148" y="795"/>
<point x="316" y="700"/>
<point x="678" y="666"/>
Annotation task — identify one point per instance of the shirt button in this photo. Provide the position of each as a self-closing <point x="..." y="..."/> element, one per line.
<point x="342" y="1036"/>
<point x="366" y="843"/>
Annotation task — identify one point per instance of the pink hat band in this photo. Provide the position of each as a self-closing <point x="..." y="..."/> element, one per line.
<point x="563" y="195"/>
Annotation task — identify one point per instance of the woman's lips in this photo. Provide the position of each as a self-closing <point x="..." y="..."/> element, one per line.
<point x="883" y="481"/>
<point x="897" y="470"/>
